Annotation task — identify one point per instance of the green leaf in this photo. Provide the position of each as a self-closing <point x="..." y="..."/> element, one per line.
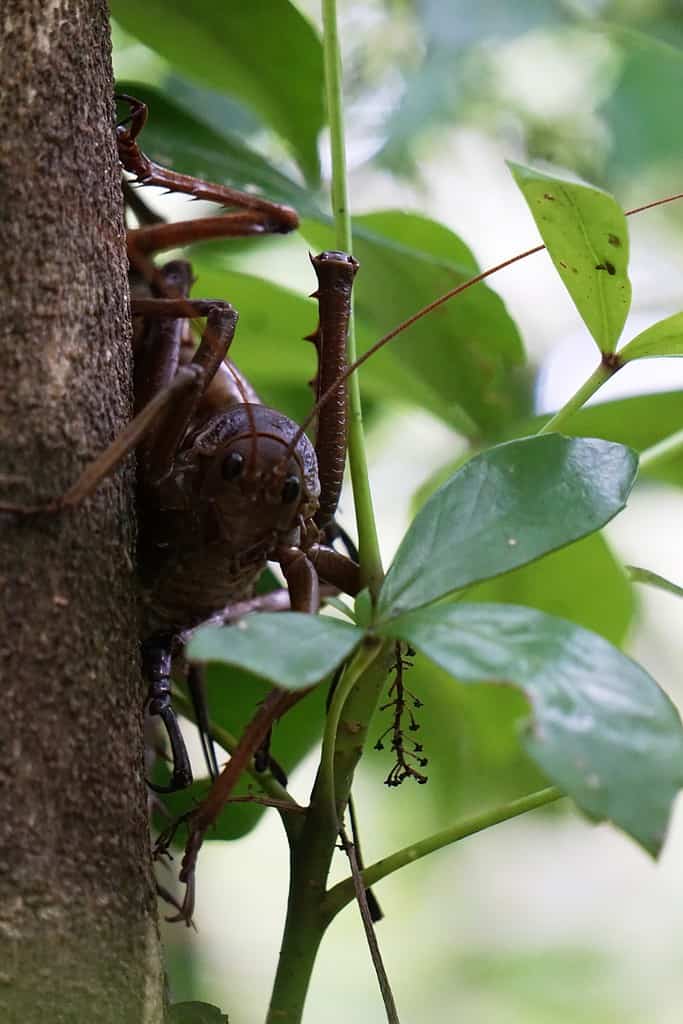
<point x="504" y="508"/>
<point x="601" y="728"/>
<point x="583" y="582"/>
<point x="196" y="1013"/>
<point x="638" y="575"/>
<point x="664" y="338"/>
<point x="586" y="235"/>
<point x="239" y="48"/>
<point x="177" y="139"/>
<point x="407" y="261"/>
<point x="289" y="649"/>
<point x="640" y="422"/>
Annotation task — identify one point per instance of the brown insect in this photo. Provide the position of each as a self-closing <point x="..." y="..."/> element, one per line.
<point x="225" y="484"/>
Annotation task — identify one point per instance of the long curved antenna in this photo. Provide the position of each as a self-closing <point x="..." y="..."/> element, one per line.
<point x="440" y="301"/>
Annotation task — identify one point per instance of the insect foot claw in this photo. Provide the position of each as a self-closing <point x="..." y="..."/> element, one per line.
<point x="179" y="780"/>
<point x="169" y="898"/>
<point x="188" y="875"/>
<point x="137" y="113"/>
<point x="187" y="907"/>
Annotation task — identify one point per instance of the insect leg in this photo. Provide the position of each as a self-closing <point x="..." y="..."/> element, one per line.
<point x="156" y="666"/>
<point x="335" y="272"/>
<point x="275" y="705"/>
<point x="302" y="579"/>
<point x="260" y="216"/>
<point x="304" y="595"/>
<point x="335" y="568"/>
<point x="333" y="531"/>
<point x="221" y="320"/>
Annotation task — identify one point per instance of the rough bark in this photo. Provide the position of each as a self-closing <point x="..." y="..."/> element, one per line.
<point x="78" y="932"/>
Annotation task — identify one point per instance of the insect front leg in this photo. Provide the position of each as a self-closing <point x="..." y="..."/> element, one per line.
<point x="335" y="272"/>
<point x="251" y="214"/>
<point x="221" y="320"/>
<point x="156" y="666"/>
<point x="277" y="703"/>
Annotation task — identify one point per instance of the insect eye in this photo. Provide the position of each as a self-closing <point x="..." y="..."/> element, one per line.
<point x="290" y="490"/>
<point x="232" y="466"/>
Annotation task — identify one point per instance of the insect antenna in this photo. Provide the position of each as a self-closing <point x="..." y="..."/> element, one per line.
<point x="330" y="392"/>
<point x="426" y="310"/>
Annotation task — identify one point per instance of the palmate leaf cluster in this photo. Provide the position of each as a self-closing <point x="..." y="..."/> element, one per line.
<point x="504" y="576"/>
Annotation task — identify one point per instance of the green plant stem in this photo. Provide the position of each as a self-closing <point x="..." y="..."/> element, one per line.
<point x="326" y="778"/>
<point x="312" y="850"/>
<point x="368" y="543"/>
<point x="342" y="893"/>
<point x="586" y="391"/>
<point x="661" y="452"/>
<point x="366" y="917"/>
<point x="653" y="579"/>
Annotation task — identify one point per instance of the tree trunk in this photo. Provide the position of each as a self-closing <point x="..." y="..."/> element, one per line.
<point x="78" y="931"/>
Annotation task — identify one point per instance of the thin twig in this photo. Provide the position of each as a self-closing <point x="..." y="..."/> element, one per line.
<point x="361" y="897"/>
<point x="266" y="801"/>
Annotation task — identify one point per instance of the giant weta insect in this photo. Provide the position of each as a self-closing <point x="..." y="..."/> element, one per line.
<point x="225" y="484"/>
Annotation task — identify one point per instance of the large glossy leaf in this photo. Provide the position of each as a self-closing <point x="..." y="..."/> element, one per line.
<point x="664" y="338"/>
<point x="504" y="508"/>
<point x="462" y="355"/>
<point x="241" y="49"/>
<point x="290" y="649"/>
<point x="177" y="139"/>
<point x="584" y="583"/>
<point x="586" y="235"/>
<point x="601" y="728"/>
